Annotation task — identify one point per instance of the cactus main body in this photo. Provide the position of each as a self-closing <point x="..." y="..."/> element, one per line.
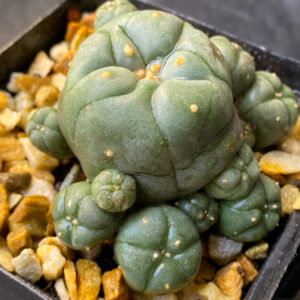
<point x="173" y="130"/>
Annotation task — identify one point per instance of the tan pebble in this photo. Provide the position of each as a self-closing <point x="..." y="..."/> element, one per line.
<point x="230" y="280"/>
<point x="250" y="272"/>
<point x="52" y="261"/>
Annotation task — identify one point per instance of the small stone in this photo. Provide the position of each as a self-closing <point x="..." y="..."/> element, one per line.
<point x="278" y="162"/>
<point x="27" y="265"/>
<point x="209" y="291"/>
<point x="19" y="239"/>
<point x="80" y="35"/>
<point x="257" y="251"/>
<point x="58" y="81"/>
<point x="3" y="100"/>
<point x="206" y="271"/>
<point x="46" y="95"/>
<point x="41" y="65"/>
<point x="5" y="256"/>
<point x="58" y="51"/>
<point x="250" y="272"/>
<point x="52" y="261"/>
<point x="230" y="280"/>
<point x="114" y="285"/>
<point x="289" y="194"/>
<point x="12" y="85"/>
<point x="15" y="181"/>
<point x="61" y="289"/>
<point x="223" y="250"/>
<point x="9" y="119"/>
<point x="13" y="200"/>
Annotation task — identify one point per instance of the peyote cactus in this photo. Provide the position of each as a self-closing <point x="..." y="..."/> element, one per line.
<point x="202" y="209"/>
<point x="240" y="63"/>
<point x="44" y="133"/>
<point x="270" y="107"/>
<point x="238" y="178"/>
<point x="173" y="130"/>
<point x="251" y="218"/>
<point x="78" y="221"/>
<point x="158" y="249"/>
<point x="113" y="190"/>
<point x="148" y="110"/>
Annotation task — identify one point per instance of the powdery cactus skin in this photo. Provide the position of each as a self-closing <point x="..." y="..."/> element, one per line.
<point x="113" y="190"/>
<point x="237" y="179"/>
<point x="45" y="134"/>
<point x="239" y="61"/>
<point x="78" y="221"/>
<point x="110" y="10"/>
<point x="270" y="107"/>
<point x="202" y="209"/>
<point x="251" y="218"/>
<point x="173" y="130"/>
<point x="158" y="249"/>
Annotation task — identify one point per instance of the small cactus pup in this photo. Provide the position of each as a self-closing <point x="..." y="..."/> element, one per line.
<point x="158" y="249"/>
<point x="44" y="133"/>
<point x="155" y="104"/>
<point x="202" y="209"/>
<point x="270" y="107"/>
<point x="240" y="63"/>
<point x="251" y="218"/>
<point x="237" y="179"/>
<point x="78" y="220"/>
<point x="113" y="190"/>
<point x="110" y="10"/>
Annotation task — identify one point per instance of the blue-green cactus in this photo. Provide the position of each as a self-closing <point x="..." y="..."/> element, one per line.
<point x="158" y="249"/>
<point x="270" y="107"/>
<point x="239" y="62"/>
<point x="202" y="209"/>
<point x="44" y="133"/>
<point x="237" y="179"/>
<point x="251" y="218"/>
<point x="174" y="130"/>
